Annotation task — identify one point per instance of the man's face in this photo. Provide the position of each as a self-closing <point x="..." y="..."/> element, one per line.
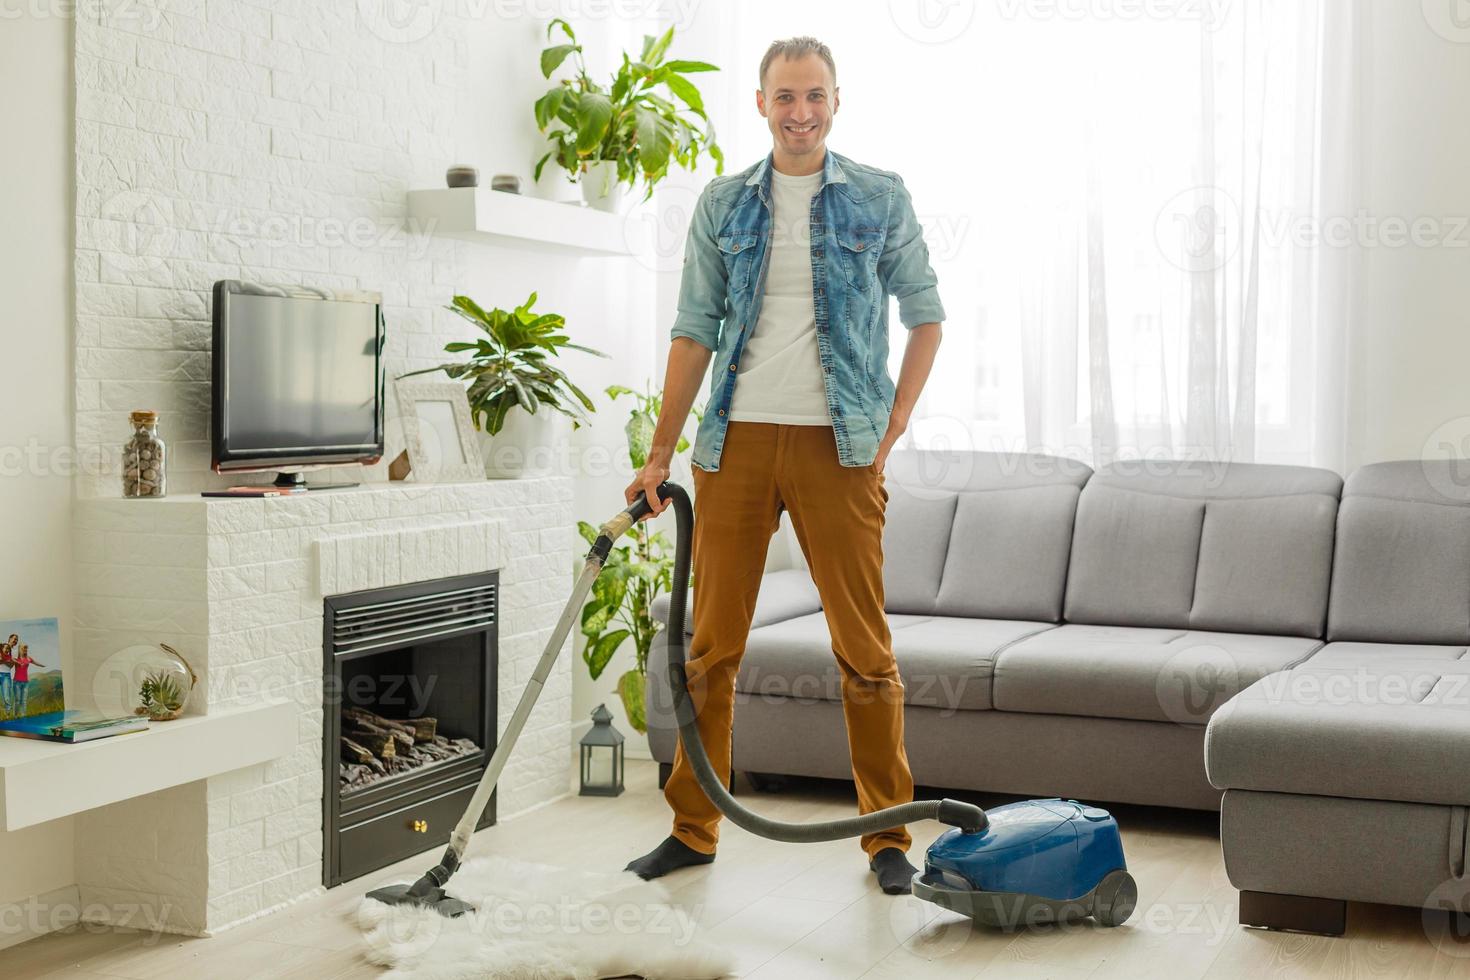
<point x="798" y="101"/>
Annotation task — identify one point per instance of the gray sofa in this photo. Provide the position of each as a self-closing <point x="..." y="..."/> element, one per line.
<point x="1127" y="636"/>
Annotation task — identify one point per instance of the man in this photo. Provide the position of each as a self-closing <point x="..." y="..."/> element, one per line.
<point x="787" y="270"/>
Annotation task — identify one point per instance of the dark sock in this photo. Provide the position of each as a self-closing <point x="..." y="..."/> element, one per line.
<point x="671" y="855"/>
<point x="895" y="874"/>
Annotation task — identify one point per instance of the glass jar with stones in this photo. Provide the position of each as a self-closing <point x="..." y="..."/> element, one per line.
<point x="143" y="458"/>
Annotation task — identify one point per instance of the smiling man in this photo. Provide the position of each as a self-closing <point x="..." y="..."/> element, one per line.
<point x="787" y="273"/>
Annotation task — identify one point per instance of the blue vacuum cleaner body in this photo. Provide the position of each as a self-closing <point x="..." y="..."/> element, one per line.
<point x="1041" y="861"/>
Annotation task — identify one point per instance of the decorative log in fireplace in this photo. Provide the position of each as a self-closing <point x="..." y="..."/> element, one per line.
<point x="409" y="722"/>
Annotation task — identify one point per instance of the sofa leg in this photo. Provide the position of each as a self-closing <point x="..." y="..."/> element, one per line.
<point x="1293" y="913"/>
<point x="665" y="770"/>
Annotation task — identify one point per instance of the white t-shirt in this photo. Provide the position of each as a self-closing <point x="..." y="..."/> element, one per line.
<point x="779" y="378"/>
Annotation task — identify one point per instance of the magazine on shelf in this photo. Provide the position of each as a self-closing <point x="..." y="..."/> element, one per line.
<point x="32" y="696"/>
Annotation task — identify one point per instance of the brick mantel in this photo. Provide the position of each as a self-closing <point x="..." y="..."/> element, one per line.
<point x="237" y="586"/>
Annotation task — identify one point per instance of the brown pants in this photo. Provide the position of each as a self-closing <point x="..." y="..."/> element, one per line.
<point x="837" y="512"/>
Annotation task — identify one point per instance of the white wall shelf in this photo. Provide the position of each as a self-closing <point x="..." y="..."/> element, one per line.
<point x="42" y="781"/>
<point x="478" y="214"/>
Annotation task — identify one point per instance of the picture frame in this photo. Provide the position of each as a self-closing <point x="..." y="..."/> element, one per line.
<point x="440" y="436"/>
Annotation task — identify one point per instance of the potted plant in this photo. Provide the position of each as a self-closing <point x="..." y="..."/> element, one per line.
<point x="512" y="367"/>
<point x="609" y="137"/>
<point x="634" y="575"/>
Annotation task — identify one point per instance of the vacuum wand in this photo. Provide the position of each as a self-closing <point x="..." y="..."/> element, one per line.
<point x="429" y="889"/>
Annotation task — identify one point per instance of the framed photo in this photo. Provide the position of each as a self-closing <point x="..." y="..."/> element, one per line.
<point x="442" y="445"/>
<point x="30" y="669"/>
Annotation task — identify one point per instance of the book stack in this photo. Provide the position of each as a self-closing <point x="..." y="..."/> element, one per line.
<point x="72" y="726"/>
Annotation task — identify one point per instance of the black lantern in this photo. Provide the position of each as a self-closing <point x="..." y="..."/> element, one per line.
<point x="602" y="756"/>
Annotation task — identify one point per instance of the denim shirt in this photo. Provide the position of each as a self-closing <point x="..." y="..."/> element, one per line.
<point x="866" y="244"/>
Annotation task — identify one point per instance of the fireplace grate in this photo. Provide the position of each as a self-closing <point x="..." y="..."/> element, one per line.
<point x="400" y="622"/>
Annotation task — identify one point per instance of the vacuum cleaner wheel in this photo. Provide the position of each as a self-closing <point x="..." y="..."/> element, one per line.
<point x="1114" y="898"/>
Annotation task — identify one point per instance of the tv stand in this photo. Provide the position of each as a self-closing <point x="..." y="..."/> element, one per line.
<point x="297" y="481"/>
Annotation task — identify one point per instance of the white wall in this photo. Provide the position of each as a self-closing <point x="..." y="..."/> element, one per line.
<point x="35" y="423"/>
<point x="1410" y="395"/>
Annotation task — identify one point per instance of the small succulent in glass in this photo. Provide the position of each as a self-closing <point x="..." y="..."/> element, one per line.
<point x="166" y="686"/>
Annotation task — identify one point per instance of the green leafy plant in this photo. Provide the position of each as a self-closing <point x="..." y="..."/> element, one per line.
<point x="512" y="364"/>
<point x="636" y="122"/>
<point x="634" y="575"/>
<point x="159" y="695"/>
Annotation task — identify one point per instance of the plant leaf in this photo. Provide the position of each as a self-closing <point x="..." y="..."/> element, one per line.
<point x="684" y="89"/>
<point x="601" y="651"/>
<point x="594" y="115"/>
<point x="654" y="54"/>
<point x="551" y="58"/>
<point x="690" y="66"/>
<point x="653" y="141"/>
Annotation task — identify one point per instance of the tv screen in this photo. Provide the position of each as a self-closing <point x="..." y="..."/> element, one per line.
<point x="298" y="377"/>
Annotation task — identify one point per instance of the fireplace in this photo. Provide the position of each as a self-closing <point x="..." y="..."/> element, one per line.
<point x="409" y="700"/>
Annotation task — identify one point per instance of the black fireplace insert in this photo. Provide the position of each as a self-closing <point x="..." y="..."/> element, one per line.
<point x="410" y="717"/>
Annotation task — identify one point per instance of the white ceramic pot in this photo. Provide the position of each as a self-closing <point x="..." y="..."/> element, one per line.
<point x="527" y="445"/>
<point x="600" y="187"/>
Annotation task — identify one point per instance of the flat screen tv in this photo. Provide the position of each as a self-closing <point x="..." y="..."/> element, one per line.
<point x="298" y="379"/>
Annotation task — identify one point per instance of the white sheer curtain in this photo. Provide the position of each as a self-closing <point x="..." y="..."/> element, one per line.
<point x="1125" y="212"/>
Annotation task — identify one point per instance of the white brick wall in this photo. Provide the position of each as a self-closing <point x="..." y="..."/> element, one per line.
<point x="263" y="140"/>
<point x="237" y="586"/>
<point x="274" y="140"/>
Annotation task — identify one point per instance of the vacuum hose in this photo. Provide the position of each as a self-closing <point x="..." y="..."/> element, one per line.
<point x="966" y="816"/>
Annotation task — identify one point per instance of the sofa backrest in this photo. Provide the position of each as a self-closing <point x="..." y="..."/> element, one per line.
<point x="1402" y="569"/>
<point x="1237" y="547"/>
<point x="979" y="534"/>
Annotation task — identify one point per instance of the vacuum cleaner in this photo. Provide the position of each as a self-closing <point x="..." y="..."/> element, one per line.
<point x="1039" y="861"/>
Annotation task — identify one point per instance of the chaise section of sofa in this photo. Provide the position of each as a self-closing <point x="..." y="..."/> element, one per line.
<point x="1343" y="776"/>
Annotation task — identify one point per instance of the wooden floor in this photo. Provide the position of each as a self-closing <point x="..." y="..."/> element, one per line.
<point x="813" y="911"/>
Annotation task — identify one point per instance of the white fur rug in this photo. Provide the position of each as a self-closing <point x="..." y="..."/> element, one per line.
<point x="534" y="922"/>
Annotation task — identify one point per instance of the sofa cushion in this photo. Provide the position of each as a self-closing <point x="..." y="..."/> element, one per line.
<point x="783" y="594"/>
<point x="979" y="534"/>
<point x="1402" y="568"/>
<point x="1147" y="674"/>
<point x="1394" y="731"/>
<point x="916" y="530"/>
<point x="1289" y="536"/>
<point x="1219" y="546"/>
<point x="1354" y="655"/>
<point x="1007" y="555"/>
<point x="1133" y="558"/>
<point x="944" y="661"/>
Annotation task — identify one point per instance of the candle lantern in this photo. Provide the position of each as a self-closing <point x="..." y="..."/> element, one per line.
<point x="602" y="756"/>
